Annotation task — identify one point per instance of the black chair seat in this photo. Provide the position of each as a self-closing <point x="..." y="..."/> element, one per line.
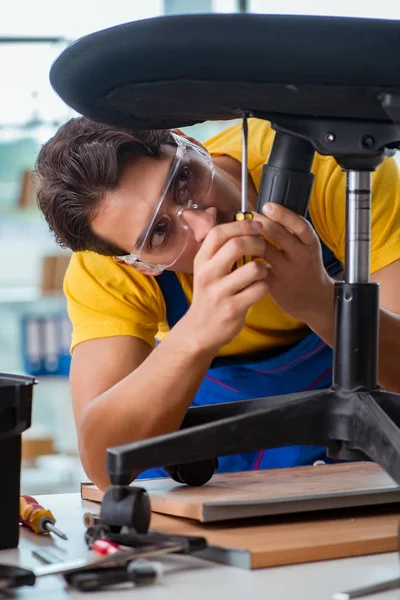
<point x="180" y="70"/>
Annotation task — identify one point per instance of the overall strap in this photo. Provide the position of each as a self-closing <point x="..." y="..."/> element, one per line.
<point x="331" y="263"/>
<point x="175" y="299"/>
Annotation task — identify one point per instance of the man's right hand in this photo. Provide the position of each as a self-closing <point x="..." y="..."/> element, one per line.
<point x="221" y="295"/>
<point x="113" y="378"/>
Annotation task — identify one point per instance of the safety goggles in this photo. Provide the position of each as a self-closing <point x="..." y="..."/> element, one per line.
<point x="187" y="187"/>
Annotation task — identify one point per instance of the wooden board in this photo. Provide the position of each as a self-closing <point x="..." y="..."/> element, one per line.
<point x="270" y="542"/>
<point x="271" y="492"/>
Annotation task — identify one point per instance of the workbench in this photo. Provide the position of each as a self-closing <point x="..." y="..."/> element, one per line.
<point x="190" y="577"/>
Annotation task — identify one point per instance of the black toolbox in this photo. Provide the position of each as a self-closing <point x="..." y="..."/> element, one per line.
<point x="15" y="417"/>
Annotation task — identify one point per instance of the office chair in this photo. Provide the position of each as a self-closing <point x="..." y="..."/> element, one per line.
<point x="326" y="84"/>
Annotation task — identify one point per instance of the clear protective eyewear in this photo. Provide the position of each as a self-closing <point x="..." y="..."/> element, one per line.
<point x="187" y="187"/>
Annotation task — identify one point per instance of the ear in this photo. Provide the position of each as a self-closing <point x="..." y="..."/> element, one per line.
<point x="142" y="270"/>
<point x="188" y="137"/>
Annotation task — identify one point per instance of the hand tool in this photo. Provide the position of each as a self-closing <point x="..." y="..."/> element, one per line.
<point x="129" y="537"/>
<point x="90" y="519"/>
<point x="366" y="590"/>
<point x="50" y="555"/>
<point x="244" y="214"/>
<point x="148" y="545"/>
<point x="13" y="577"/>
<point x="36" y="518"/>
<point x="138" y="572"/>
<point x="104" y="547"/>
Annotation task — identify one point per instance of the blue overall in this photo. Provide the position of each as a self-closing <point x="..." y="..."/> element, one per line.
<point x="305" y="366"/>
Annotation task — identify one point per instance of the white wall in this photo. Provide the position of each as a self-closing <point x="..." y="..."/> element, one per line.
<point x="344" y="8"/>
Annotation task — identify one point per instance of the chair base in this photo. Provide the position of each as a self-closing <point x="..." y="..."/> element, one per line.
<point x="344" y="421"/>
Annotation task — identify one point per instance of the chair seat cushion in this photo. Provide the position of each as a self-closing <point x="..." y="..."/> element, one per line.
<point x="179" y="70"/>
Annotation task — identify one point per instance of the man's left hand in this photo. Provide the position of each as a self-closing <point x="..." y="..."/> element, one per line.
<point x="297" y="279"/>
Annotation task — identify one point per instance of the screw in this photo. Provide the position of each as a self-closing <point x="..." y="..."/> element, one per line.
<point x="330" y="137"/>
<point x="367" y="141"/>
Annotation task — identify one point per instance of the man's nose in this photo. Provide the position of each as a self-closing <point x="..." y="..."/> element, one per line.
<point x="199" y="221"/>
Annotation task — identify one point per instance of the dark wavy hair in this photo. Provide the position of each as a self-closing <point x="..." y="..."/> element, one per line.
<point x="75" y="169"/>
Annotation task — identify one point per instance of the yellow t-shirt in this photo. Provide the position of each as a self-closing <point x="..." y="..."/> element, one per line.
<point x="107" y="299"/>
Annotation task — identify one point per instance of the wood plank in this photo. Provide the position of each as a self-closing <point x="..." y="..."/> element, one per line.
<point x="270" y="492"/>
<point x="271" y="542"/>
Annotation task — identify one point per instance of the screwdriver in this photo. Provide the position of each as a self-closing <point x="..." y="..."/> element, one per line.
<point x="138" y="571"/>
<point x="244" y="214"/>
<point x="373" y="588"/>
<point x="36" y="518"/>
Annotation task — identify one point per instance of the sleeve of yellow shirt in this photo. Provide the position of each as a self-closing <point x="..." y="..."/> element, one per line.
<point x="108" y="299"/>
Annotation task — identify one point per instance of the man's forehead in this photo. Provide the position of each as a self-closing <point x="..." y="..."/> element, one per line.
<point x="145" y="177"/>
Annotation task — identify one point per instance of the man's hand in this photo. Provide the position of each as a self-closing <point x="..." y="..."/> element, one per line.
<point x="297" y="279"/>
<point x="222" y="296"/>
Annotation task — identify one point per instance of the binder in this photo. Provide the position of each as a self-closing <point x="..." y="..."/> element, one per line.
<point x="45" y="344"/>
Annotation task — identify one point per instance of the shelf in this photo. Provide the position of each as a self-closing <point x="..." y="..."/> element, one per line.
<point x="11" y="295"/>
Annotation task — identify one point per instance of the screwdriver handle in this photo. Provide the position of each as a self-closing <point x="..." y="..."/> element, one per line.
<point x="138" y="572"/>
<point x="31" y="514"/>
<point x="105" y="547"/>
<point x="36" y="518"/>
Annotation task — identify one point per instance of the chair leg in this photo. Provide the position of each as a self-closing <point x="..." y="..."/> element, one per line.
<point x="293" y="419"/>
<point x="376" y="434"/>
<point x="390" y="403"/>
<point x="213" y="412"/>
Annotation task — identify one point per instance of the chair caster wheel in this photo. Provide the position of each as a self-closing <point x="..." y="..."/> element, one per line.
<point x="126" y="506"/>
<point x="196" y="473"/>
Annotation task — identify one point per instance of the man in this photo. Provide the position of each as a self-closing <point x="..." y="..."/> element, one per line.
<point x="137" y="207"/>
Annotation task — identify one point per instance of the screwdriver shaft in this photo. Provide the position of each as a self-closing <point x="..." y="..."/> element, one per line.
<point x="374" y="588"/>
<point x="244" y="164"/>
<point x="52" y="529"/>
<point x="244" y="214"/>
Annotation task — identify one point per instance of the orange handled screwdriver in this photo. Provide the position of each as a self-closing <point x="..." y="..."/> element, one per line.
<point x="36" y="518"/>
<point x="244" y="214"/>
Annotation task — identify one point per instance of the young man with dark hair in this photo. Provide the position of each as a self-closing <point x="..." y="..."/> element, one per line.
<point x="149" y="217"/>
